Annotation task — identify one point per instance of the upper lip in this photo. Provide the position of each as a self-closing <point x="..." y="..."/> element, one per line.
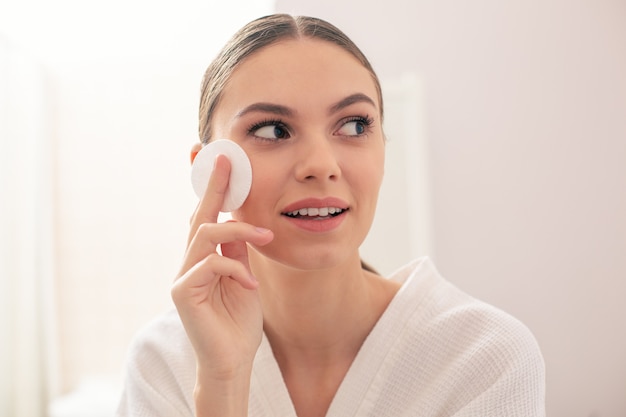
<point x="316" y="203"/>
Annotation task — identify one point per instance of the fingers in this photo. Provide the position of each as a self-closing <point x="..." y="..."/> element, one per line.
<point x="210" y="235"/>
<point x="206" y="235"/>
<point x="210" y="204"/>
<point x="197" y="284"/>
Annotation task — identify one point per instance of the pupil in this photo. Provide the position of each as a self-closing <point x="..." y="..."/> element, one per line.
<point x="279" y="132"/>
<point x="359" y="128"/>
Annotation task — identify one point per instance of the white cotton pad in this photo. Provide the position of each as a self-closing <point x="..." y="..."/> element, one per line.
<point x="240" y="172"/>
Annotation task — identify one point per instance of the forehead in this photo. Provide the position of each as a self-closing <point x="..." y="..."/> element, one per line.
<point x="295" y="70"/>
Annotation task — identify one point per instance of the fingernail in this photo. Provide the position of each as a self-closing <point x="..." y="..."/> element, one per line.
<point x="261" y="229"/>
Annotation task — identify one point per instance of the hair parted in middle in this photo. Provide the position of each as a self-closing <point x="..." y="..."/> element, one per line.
<point x="253" y="37"/>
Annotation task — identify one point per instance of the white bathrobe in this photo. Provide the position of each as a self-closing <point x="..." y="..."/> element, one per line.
<point x="434" y="352"/>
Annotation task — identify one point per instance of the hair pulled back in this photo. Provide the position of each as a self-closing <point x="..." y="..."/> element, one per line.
<point x="255" y="36"/>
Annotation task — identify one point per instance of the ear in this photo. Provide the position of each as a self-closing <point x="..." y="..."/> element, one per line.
<point x="194" y="151"/>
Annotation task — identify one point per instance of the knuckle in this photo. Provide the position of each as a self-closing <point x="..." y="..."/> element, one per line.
<point x="205" y="228"/>
<point x="214" y="258"/>
<point x="175" y="291"/>
<point x="205" y="231"/>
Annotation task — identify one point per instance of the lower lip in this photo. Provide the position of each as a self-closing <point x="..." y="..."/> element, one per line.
<point x="318" y="225"/>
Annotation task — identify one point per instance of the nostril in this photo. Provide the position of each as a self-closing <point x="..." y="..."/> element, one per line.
<point x="317" y="163"/>
<point x="312" y="177"/>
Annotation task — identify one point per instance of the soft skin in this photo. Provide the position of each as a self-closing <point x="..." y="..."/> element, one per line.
<point x="307" y="77"/>
<point x="306" y="112"/>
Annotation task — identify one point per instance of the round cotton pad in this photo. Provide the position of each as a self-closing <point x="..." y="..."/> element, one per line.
<point x="240" y="172"/>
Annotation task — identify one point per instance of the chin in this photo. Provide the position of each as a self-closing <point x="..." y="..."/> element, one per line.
<point x="304" y="260"/>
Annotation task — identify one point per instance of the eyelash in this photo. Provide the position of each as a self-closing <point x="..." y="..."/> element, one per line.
<point x="366" y="120"/>
<point x="264" y="123"/>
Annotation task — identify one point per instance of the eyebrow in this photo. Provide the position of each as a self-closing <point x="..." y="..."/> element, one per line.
<point x="280" y="110"/>
<point x="350" y="100"/>
<point x="266" y="108"/>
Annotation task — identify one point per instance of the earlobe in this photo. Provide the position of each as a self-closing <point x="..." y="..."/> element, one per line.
<point x="194" y="151"/>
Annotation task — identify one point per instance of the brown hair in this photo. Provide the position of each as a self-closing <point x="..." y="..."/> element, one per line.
<point x="256" y="35"/>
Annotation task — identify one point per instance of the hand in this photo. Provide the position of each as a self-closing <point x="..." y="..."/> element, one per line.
<point x="216" y="295"/>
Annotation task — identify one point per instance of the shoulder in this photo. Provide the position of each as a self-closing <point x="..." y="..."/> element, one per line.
<point x="468" y="352"/>
<point x="498" y="360"/>
<point x="160" y="370"/>
<point x="486" y="337"/>
<point x="440" y="312"/>
<point x="472" y="332"/>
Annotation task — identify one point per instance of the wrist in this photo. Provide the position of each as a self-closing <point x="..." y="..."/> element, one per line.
<point x="222" y="393"/>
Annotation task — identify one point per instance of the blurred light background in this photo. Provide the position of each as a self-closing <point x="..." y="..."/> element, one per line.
<point x="520" y="109"/>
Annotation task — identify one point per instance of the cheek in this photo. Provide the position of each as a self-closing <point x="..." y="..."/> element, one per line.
<point x="375" y="182"/>
<point x="265" y="182"/>
<point x="369" y="170"/>
<point x="379" y="166"/>
<point x="266" y="177"/>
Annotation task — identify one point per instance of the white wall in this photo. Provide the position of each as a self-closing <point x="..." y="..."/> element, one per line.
<point x="27" y="305"/>
<point x="123" y="133"/>
<point x="526" y="117"/>
<point x="525" y="105"/>
<point x="124" y="81"/>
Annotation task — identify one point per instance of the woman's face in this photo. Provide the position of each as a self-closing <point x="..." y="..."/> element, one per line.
<point x="306" y="112"/>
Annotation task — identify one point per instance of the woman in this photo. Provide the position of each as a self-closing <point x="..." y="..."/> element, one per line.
<point x="287" y="320"/>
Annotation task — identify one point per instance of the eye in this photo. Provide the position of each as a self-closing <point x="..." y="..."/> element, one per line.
<point x="352" y="129"/>
<point x="270" y="130"/>
<point x="355" y="126"/>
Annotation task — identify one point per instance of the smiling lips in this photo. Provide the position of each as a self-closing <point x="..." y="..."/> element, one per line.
<point x="315" y="212"/>
<point x="317" y="215"/>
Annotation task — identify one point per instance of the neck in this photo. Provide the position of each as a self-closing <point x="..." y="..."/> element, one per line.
<point x="319" y="316"/>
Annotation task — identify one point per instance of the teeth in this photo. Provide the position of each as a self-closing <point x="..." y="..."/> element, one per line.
<point x="314" y="211"/>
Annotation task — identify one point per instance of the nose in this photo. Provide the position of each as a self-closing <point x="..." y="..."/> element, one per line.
<point x="318" y="159"/>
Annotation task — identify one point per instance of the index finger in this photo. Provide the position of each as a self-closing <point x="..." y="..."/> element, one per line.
<point x="211" y="202"/>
